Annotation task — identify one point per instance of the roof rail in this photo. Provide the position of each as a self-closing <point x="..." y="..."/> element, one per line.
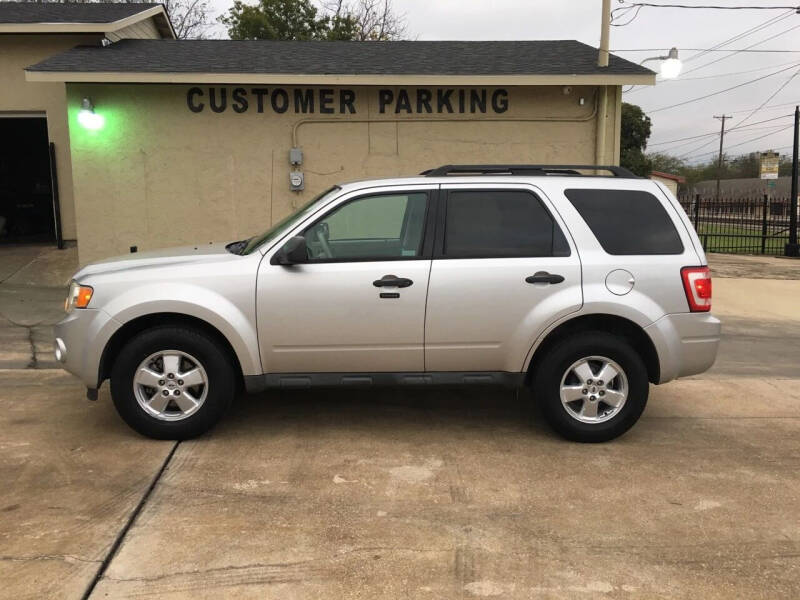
<point x="569" y="170"/>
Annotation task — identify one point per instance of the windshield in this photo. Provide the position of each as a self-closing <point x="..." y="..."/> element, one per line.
<point x="286" y="223"/>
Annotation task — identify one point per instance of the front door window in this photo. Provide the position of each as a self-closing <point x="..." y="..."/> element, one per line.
<point x="371" y="228"/>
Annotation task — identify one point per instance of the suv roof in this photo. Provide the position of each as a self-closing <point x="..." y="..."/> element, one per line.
<point x="528" y="170"/>
<point x="471" y="173"/>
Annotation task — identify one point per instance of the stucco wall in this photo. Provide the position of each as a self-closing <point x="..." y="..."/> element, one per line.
<point x="159" y="174"/>
<point x="20" y="96"/>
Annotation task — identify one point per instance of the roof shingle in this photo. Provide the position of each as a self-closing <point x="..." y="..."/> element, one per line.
<point x="551" y="57"/>
<point x="72" y="12"/>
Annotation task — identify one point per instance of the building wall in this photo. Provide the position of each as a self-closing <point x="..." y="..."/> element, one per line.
<point x="159" y="174"/>
<point x="20" y="96"/>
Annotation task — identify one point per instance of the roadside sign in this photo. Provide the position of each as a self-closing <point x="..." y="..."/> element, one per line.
<point x="769" y="165"/>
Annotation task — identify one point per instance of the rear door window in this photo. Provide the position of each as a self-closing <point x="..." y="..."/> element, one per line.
<point x="499" y="223"/>
<point x="627" y="221"/>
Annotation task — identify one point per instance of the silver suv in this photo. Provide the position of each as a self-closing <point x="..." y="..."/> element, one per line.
<point x="583" y="288"/>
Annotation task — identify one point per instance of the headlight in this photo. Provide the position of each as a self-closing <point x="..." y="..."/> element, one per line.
<point x="78" y="296"/>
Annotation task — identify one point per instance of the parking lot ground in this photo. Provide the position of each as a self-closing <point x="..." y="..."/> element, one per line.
<point x="431" y="494"/>
<point x="71" y="476"/>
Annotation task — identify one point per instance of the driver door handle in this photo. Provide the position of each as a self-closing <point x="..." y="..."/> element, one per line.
<point x="544" y="277"/>
<point x="392" y="281"/>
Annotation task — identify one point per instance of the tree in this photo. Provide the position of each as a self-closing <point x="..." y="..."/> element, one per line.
<point x="666" y="163"/>
<point x="274" y="20"/>
<point x="785" y="166"/>
<point x="633" y="140"/>
<point x="302" y="20"/>
<point x="189" y="17"/>
<point x="373" y="19"/>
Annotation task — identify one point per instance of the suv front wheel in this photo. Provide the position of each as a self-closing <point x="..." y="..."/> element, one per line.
<point x="172" y="383"/>
<point x="593" y="387"/>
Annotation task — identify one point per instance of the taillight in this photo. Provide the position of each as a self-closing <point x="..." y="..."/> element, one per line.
<point x="697" y="285"/>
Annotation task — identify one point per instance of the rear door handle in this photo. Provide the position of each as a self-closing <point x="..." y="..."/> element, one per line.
<point x="392" y="281"/>
<point x="544" y="277"/>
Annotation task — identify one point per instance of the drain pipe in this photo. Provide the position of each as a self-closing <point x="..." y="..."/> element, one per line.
<point x="602" y="120"/>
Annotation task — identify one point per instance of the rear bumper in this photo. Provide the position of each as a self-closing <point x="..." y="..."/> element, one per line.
<point x="80" y="339"/>
<point x="686" y="343"/>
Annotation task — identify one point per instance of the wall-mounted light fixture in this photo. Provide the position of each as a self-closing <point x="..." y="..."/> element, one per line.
<point x="88" y="118"/>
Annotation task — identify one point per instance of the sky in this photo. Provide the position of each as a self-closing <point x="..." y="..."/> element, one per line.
<point x="655" y="28"/>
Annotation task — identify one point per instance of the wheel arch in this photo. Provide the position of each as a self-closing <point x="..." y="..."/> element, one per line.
<point x="612" y="324"/>
<point x="135" y="326"/>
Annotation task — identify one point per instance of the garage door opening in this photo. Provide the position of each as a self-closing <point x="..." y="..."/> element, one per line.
<point x="26" y="197"/>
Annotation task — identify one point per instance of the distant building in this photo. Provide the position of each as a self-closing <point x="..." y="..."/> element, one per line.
<point x="736" y="189"/>
<point x="668" y="179"/>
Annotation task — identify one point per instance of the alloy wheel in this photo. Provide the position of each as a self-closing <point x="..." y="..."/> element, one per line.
<point x="170" y="385"/>
<point x="594" y="389"/>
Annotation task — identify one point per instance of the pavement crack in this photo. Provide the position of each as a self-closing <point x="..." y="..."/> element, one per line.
<point x="112" y="552"/>
<point x="64" y="557"/>
<point x="279" y="565"/>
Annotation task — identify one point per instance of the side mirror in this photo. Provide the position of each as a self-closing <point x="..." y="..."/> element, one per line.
<point x="293" y="252"/>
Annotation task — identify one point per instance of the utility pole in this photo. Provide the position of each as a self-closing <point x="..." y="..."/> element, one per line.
<point x="721" y="138"/>
<point x="605" y="34"/>
<point x="602" y="61"/>
<point x="792" y="248"/>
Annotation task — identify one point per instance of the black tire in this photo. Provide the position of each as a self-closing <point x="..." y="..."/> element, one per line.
<point x="216" y="362"/>
<point x="552" y="368"/>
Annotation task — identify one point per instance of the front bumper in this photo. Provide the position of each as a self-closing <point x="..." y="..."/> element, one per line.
<point x="80" y="339"/>
<point x="686" y="343"/>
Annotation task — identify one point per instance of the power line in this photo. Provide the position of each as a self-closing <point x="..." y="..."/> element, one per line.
<point x="735" y="52"/>
<point x="709" y="142"/>
<point x="720" y="75"/>
<point x="777" y="51"/>
<point x="770" y="107"/>
<point x="720" y="91"/>
<point x="623" y="11"/>
<point x="711" y="139"/>
<point x="747" y="141"/>
<point x="714" y="7"/>
<point x="700" y="147"/>
<point x="622" y="14"/>
<point x="730" y="74"/>
<point x="775" y="93"/>
<point x="746" y="33"/>
<point x="731" y="130"/>
<point x="739" y="36"/>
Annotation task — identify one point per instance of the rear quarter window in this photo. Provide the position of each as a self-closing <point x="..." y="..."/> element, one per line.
<point x="627" y="221"/>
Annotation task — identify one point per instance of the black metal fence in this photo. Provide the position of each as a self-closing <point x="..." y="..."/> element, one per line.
<point x="754" y="225"/>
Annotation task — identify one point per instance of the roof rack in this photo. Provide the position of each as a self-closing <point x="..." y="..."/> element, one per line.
<point x="563" y="170"/>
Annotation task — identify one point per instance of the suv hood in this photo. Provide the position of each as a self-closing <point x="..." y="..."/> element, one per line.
<point x="212" y="252"/>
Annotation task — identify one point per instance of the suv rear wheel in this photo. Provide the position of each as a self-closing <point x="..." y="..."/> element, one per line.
<point x="593" y="387"/>
<point x="172" y="383"/>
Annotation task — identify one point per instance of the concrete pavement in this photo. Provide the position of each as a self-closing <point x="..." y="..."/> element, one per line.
<point x="436" y="494"/>
<point x="32" y="289"/>
<point x="72" y="475"/>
